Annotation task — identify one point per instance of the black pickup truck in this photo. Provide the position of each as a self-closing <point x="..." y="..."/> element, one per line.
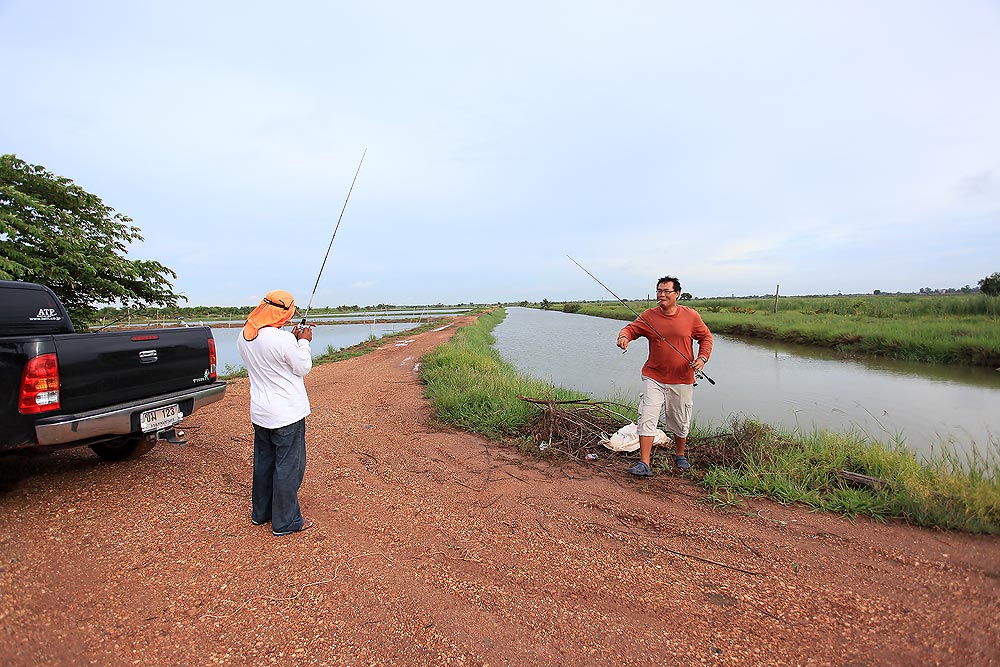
<point x="118" y="391"/>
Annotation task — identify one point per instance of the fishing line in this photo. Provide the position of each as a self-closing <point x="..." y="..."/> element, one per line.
<point x="697" y="373"/>
<point x="325" y="257"/>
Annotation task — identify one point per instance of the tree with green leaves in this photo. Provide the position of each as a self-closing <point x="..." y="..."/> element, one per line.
<point x="55" y="233"/>
<point x="990" y="285"/>
<point x="685" y="296"/>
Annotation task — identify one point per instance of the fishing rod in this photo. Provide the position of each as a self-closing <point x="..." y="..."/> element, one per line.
<point x="114" y="321"/>
<point x="325" y="257"/>
<point x="697" y="373"/>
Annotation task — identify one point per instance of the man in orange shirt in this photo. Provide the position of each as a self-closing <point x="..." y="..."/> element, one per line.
<point x="669" y="372"/>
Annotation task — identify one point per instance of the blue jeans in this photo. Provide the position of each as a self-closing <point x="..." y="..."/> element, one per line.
<point x="279" y="463"/>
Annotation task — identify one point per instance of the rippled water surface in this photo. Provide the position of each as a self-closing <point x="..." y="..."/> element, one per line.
<point x="793" y="386"/>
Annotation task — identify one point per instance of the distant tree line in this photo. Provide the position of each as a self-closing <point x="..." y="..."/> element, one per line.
<point x="949" y="290"/>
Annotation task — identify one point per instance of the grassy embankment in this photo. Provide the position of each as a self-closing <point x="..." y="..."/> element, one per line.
<point x="944" y="329"/>
<point x="473" y="388"/>
<point x="333" y="354"/>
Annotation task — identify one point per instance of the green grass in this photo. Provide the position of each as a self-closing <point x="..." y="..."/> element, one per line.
<point x="944" y="329"/>
<point x="941" y="491"/>
<point x="472" y="388"/>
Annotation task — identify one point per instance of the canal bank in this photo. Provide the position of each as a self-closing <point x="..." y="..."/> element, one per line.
<point x="472" y="387"/>
<point x="800" y="389"/>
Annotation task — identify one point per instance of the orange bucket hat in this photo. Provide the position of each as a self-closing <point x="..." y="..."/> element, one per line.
<point x="276" y="308"/>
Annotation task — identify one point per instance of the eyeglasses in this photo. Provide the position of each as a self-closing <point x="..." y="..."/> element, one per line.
<point x="666" y="291"/>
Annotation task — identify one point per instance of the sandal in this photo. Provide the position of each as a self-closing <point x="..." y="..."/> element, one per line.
<point x="640" y="469"/>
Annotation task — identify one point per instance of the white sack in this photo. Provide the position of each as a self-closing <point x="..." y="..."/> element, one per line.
<point x="626" y="439"/>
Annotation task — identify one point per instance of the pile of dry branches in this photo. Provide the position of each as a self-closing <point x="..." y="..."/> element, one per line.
<point x="575" y="426"/>
<point x="745" y="438"/>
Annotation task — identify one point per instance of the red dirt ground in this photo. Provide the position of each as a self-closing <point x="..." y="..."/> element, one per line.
<point x="437" y="547"/>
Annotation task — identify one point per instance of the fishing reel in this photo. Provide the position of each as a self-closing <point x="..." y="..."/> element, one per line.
<point x="701" y="376"/>
<point x="302" y="326"/>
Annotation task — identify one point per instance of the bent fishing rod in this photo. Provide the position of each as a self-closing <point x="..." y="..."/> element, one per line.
<point x="697" y="373"/>
<point x="325" y="257"/>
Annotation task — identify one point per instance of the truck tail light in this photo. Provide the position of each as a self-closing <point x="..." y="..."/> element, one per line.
<point x="212" y="359"/>
<point x="39" y="385"/>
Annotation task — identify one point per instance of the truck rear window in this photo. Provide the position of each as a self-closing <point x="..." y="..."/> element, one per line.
<point x="31" y="311"/>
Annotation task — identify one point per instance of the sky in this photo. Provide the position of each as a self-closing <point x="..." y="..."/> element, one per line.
<point x="827" y="148"/>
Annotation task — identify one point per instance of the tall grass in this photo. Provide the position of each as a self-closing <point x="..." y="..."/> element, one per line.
<point x="472" y="388"/>
<point x="945" y="329"/>
<point x="880" y="305"/>
<point x="940" y="491"/>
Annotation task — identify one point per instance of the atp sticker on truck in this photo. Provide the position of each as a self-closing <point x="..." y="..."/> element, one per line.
<point x="46" y="315"/>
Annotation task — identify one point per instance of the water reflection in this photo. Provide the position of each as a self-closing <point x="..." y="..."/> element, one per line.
<point x="962" y="374"/>
<point x="797" y="387"/>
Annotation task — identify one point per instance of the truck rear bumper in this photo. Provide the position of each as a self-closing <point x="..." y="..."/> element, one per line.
<point x="120" y="419"/>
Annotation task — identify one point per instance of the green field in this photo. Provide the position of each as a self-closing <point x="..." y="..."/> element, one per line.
<point x="946" y="329"/>
<point x="472" y="388"/>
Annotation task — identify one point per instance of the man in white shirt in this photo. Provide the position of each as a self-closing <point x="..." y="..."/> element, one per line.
<point x="277" y="361"/>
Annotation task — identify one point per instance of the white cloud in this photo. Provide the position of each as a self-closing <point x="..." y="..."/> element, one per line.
<point x="734" y="146"/>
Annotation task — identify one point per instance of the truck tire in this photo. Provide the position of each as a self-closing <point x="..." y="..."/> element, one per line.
<point x="123" y="448"/>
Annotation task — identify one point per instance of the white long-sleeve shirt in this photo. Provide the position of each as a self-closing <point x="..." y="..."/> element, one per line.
<point x="276" y="363"/>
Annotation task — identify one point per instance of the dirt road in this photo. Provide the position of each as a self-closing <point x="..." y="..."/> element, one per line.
<point x="435" y="547"/>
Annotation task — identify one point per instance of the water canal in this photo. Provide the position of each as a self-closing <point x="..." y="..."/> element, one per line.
<point x="795" y="387"/>
<point x="324" y="335"/>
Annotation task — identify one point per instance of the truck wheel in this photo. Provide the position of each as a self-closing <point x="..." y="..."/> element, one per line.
<point x="122" y="449"/>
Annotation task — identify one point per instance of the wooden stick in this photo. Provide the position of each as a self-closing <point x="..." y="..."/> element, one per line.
<point x="711" y="562"/>
<point x="545" y="401"/>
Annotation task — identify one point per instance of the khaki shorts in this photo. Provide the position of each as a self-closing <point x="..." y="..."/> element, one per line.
<point x="675" y="399"/>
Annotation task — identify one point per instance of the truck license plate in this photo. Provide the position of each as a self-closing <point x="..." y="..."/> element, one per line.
<point x="154" y="420"/>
